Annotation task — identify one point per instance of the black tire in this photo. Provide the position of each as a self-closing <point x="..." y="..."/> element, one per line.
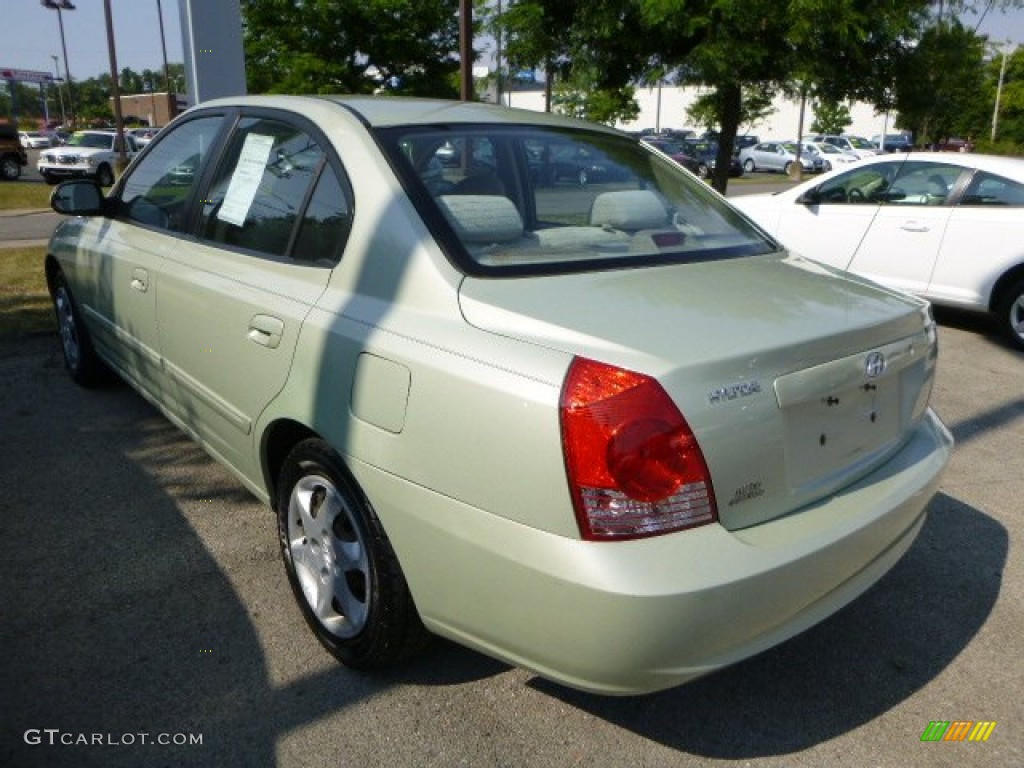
<point x="104" y="175"/>
<point x="1010" y="314"/>
<point x="363" y="612"/>
<point x="50" y="179"/>
<point x="10" y="168"/>
<point x="788" y="168"/>
<point x="704" y="171"/>
<point x="748" y="165"/>
<point x="80" y="358"/>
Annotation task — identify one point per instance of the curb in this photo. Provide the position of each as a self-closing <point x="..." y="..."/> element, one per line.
<point x="23" y="243"/>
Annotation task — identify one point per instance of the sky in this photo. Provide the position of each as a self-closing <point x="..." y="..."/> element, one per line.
<point x="30" y="36"/>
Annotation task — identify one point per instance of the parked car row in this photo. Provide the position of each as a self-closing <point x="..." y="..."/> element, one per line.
<point x="92" y="154"/>
<point x="698" y="156"/>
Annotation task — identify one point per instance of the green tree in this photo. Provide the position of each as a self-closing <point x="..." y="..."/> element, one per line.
<point x="755" y="106"/>
<point x="832" y="48"/>
<point x="1011" y="102"/>
<point x="830" y="117"/>
<point x="940" y="90"/>
<point x="352" y="46"/>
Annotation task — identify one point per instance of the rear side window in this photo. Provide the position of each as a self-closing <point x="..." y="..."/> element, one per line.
<point x="261" y="186"/>
<point x="989" y="189"/>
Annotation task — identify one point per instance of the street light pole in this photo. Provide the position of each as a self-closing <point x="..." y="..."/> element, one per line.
<point x="163" y="46"/>
<point x="60" y="93"/>
<point x="999" y="93"/>
<point x="63" y="5"/>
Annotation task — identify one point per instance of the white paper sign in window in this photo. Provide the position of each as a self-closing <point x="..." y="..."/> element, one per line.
<point x="246" y="179"/>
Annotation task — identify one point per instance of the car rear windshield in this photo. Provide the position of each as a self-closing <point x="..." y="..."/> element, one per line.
<point x="513" y="200"/>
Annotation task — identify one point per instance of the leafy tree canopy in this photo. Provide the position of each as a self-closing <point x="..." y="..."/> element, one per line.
<point x="352" y="46"/>
<point x="830" y="117"/>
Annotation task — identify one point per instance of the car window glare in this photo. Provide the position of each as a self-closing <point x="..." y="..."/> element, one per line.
<point x="565" y="199"/>
<point x="260" y="186"/>
<point x="157" y="191"/>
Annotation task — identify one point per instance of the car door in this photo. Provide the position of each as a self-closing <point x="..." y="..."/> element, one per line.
<point x="123" y="254"/>
<point x="984" y="239"/>
<point x="901" y="247"/>
<point x="830" y="223"/>
<point x="273" y="220"/>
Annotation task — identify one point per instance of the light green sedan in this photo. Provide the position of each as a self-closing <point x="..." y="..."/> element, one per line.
<point x="611" y="433"/>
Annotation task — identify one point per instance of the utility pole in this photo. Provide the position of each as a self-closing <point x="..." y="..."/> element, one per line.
<point x="999" y="93"/>
<point x="466" y="49"/>
<point x="115" y="89"/>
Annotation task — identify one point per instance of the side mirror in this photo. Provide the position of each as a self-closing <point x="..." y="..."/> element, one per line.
<point x="810" y="197"/>
<point x="81" y="197"/>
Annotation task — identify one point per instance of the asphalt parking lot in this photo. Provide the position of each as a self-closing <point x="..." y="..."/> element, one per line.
<point x="144" y="601"/>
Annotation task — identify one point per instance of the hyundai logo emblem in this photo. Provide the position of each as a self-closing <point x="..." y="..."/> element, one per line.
<point x="874" y="366"/>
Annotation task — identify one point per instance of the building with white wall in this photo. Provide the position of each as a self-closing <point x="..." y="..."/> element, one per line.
<point x="665" y="108"/>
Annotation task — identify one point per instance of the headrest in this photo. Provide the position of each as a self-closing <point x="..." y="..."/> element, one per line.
<point x="628" y="209"/>
<point x="482" y="218"/>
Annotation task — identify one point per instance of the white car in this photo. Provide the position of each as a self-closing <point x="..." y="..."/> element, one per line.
<point x="947" y="227"/>
<point x="88" y="154"/>
<point x="855" y="145"/>
<point x="34" y="139"/>
<point x="832" y="157"/>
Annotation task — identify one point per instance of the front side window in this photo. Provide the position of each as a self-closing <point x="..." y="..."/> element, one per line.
<point x="260" y="187"/>
<point x="158" y="189"/>
<point x="863" y="184"/>
<point x="919" y="183"/>
<point x="527" y="199"/>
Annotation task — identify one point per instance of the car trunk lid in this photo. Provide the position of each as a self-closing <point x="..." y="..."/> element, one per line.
<point x="794" y="382"/>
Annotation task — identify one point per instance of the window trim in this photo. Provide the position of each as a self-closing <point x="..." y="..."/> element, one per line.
<point x="459" y="257"/>
<point x="231" y="117"/>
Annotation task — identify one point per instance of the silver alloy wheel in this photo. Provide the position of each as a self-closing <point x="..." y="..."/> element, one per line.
<point x="1015" y="316"/>
<point x="329" y="556"/>
<point x="68" y="328"/>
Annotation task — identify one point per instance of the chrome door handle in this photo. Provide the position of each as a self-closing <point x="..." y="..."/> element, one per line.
<point x="266" y="330"/>
<point x="914" y="226"/>
<point x="140" y="280"/>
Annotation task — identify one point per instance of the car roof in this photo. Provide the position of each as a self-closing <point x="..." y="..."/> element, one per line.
<point x="388" y="111"/>
<point x="1005" y="166"/>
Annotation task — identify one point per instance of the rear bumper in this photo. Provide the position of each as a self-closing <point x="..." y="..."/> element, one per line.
<point x="639" y="616"/>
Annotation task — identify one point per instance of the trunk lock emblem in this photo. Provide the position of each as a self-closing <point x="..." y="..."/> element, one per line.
<point x="874" y="366"/>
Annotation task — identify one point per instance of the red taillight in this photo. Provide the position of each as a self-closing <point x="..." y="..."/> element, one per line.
<point x="635" y="469"/>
